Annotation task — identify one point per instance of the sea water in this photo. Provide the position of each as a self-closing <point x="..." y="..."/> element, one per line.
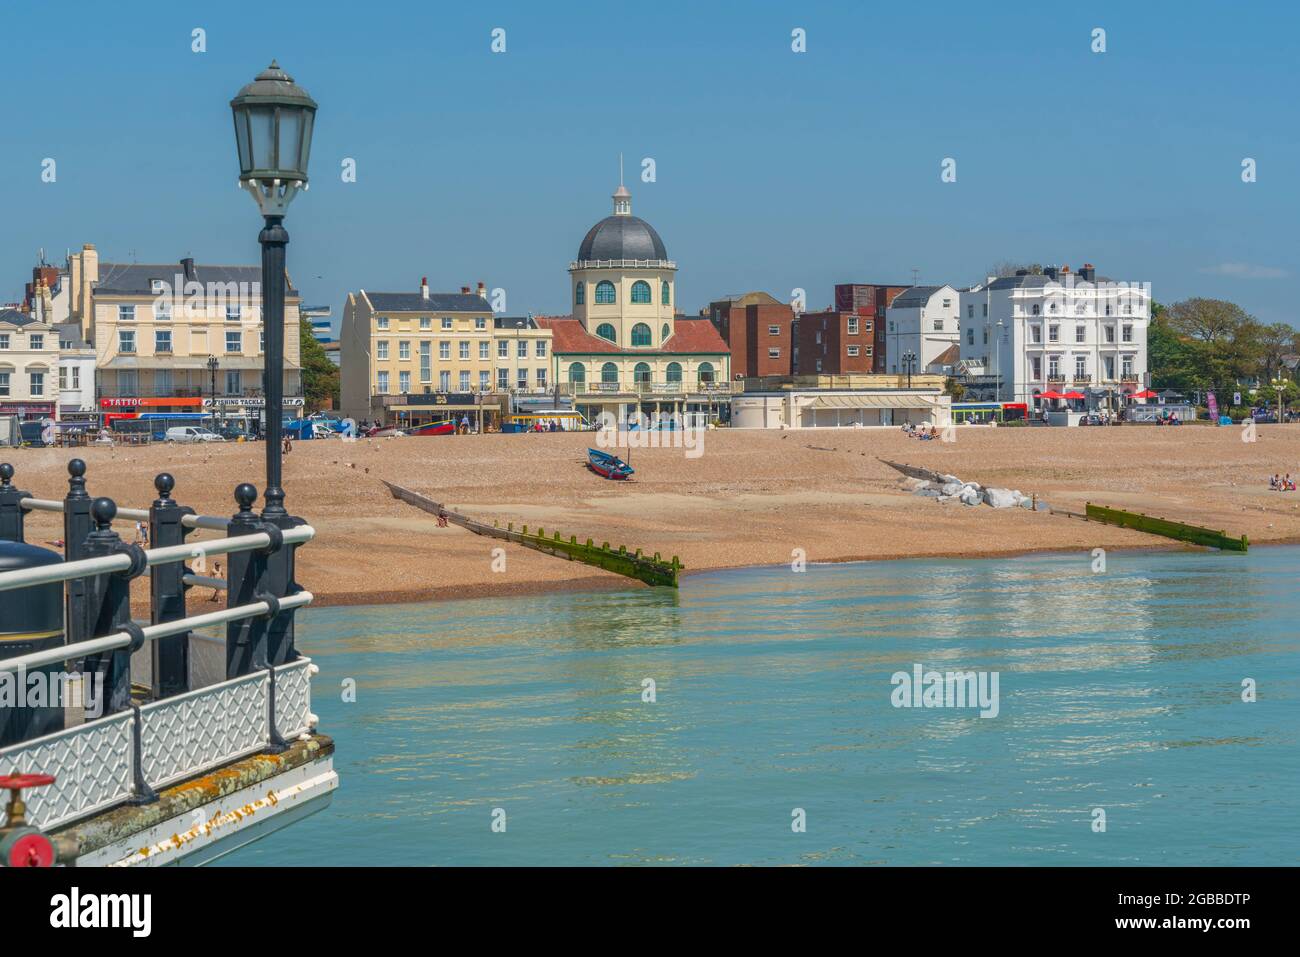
<point x="522" y="731"/>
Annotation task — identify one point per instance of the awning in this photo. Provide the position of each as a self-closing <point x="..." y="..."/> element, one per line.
<point x="873" y="401"/>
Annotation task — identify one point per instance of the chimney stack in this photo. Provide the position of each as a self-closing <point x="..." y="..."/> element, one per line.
<point x="464" y="290"/>
<point x="482" y="289"/>
<point x="187" y="264"/>
<point x="424" y="287"/>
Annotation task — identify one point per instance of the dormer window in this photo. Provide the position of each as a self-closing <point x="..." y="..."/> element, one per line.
<point x="156" y="286"/>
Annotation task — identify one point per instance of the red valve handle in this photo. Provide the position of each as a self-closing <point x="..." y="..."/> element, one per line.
<point x="16" y="782"/>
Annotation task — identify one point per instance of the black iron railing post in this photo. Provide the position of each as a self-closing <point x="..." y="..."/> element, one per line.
<point x="11" y="510"/>
<point x="77" y="525"/>
<point x="263" y="575"/>
<point x="170" y="656"/>
<point x="109" y="610"/>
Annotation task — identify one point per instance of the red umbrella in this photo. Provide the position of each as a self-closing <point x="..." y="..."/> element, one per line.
<point x="1144" y="394"/>
<point x="1073" y="395"/>
<point x="1050" y="395"/>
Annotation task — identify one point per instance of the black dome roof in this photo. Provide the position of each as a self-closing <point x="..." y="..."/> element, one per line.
<point x="622" y="237"/>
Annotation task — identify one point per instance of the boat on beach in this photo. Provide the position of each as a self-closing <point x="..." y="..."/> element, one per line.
<point x="606" y="465"/>
<point x="443" y="427"/>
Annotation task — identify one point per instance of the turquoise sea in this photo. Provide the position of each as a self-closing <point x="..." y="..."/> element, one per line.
<point x="1119" y="691"/>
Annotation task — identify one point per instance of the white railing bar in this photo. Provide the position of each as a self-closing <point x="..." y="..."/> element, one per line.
<point x="205" y="581"/>
<point x="80" y="649"/>
<point x="131" y="514"/>
<point x="205" y="521"/>
<point x="64" y="571"/>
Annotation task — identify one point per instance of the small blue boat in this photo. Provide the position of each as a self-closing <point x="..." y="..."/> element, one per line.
<point x="610" y="466"/>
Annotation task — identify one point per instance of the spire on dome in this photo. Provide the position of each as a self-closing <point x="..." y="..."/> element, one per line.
<point x="622" y="198"/>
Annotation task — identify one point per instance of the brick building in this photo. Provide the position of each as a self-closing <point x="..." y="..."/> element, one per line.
<point x="758" y="329"/>
<point x="834" y="343"/>
<point x="870" y="300"/>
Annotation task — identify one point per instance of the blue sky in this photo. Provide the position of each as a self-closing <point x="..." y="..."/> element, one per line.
<point x="775" y="170"/>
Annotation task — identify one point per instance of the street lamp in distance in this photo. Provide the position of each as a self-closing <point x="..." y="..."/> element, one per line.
<point x="212" y="384"/>
<point x="909" y="360"/>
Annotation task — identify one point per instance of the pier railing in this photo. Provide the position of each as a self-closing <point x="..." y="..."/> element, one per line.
<point x="68" y="625"/>
<point x="126" y="757"/>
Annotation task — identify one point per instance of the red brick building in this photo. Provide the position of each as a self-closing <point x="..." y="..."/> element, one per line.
<point x="834" y="343"/>
<point x="758" y="330"/>
<point x="869" y="300"/>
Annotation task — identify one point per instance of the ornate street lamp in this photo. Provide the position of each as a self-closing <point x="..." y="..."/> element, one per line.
<point x="273" y="127"/>
<point x="909" y="360"/>
<point x="1280" y="383"/>
<point x="212" y="375"/>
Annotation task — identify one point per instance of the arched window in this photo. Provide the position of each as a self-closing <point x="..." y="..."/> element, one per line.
<point x="609" y="372"/>
<point x="605" y="295"/>
<point x="641" y="292"/>
<point x="664" y="295"/>
<point x="580" y="293"/>
<point x="606" y="331"/>
<point x="664" y="333"/>
<point x="577" y="373"/>
<point x="674" y="372"/>
<point x="641" y="335"/>
<point x="706" y="372"/>
<point x="641" y="373"/>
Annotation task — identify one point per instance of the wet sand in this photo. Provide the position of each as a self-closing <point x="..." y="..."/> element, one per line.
<point x="750" y="498"/>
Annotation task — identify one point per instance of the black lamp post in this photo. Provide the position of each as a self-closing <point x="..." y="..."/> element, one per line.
<point x="212" y="384"/>
<point x="909" y="360"/>
<point x="273" y="127"/>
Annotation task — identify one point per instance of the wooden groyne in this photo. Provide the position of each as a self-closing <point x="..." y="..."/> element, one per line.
<point x="652" y="571"/>
<point x="1195" y="534"/>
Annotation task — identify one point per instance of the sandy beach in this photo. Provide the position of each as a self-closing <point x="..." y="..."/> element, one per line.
<point x="750" y="498"/>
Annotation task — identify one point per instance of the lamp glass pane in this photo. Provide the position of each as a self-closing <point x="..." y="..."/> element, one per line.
<point x="241" y="141"/>
<point x="308" y="121"/>
<point x="261" y="122"/>
<point x="290" y="136"/>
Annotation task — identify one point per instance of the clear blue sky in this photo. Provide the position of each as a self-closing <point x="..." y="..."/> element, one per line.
<point x="775" y="170"/>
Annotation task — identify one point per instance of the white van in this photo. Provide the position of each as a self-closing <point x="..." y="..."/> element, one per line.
<point x="191" y="433"/>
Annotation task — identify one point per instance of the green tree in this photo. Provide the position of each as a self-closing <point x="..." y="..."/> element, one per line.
<point x="1220" y="343"/>
<point x="320" y="377"/>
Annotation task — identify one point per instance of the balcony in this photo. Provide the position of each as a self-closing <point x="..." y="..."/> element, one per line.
<point x="1055" y="377"/>
<point x="646" y="387"/>
<point x="1082" y="378"/>
<point x="116" y="391"/>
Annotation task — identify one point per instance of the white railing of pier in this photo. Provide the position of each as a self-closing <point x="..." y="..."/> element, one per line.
<point x="120" y="639"/>
<point x="211" y="522"/>
<point x="96" y="763"/>
<point x="104" y="564"/>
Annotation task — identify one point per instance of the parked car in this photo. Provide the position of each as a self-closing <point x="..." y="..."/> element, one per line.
<point x="191" y="433"/>
<point x="1091" y="418"/>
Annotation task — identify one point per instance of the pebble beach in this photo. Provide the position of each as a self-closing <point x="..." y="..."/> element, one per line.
<point x="748" y="498"/>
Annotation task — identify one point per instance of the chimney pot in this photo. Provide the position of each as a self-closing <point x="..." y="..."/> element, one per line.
<point x="424" y="287"/>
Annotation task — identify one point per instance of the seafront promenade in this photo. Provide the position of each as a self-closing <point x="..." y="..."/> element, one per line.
<point x="750" y="498"/>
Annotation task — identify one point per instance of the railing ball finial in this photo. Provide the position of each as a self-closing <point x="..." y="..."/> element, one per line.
<point x="103" y="511"/>
<point x="6" y="473"/>
<point x="164" y="483"/>
<point x="76" y="468"/>
<point x="245" y="496"/>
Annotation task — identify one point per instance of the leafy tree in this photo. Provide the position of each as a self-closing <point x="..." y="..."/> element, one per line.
<point x="320" y="376"/>
<point x="954" y="389"/>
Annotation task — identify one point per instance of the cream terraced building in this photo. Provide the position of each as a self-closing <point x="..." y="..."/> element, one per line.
<point x="395" y="344"/>
<point x="154" y="326"/>
<point x="29" y="366"/>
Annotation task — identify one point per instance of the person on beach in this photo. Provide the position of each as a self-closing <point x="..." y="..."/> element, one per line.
<point x="286" y="446"/>
<point x="216" y="573"/>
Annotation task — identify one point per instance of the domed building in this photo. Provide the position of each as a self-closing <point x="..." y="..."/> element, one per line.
<point x="625" y="349"/>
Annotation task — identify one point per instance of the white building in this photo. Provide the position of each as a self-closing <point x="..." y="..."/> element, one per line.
<point x="923" y="321"/>
<point x="76" y="374"/>
<point x="1024" y="335"/>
